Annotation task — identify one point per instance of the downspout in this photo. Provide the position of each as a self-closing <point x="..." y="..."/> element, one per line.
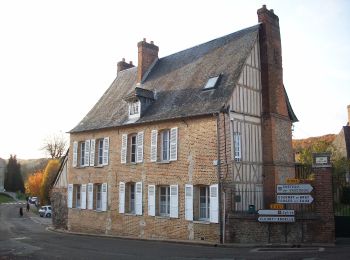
<point x="218" y="165"/>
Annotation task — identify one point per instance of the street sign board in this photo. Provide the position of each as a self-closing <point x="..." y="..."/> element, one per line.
<point x="276" y="219"/>
<point x="298" y="199"/>
<point x="276" y="206"/>
<point x="289" y="212"/>
<point x="294" y="188"/>
<point x="292" y="181"/>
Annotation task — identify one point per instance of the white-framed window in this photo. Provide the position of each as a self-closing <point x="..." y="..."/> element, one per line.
<point x="134" y="109"/>
<point x="204" y="203"/>
<point x="100" y="151"/>
<point x="98" y="189"/>
<point x="131" y="197"/>
<point x="237" y="146"/>
<point x="82" y="153"/>
<point x="165" y="147"/>
<point x="133" y="147"/>
<point x="164" y="201"/>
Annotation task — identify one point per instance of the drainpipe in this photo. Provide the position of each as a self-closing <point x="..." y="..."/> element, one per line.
<point x="218" y="175"/>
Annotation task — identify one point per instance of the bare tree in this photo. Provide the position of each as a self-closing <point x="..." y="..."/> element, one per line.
<point x="55" y="145"/>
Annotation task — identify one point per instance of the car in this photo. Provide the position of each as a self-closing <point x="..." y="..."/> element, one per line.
<point x="33" y="200"/>
<point x="45" y="211"/>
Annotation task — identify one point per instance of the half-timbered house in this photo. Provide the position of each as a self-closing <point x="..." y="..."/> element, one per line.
<point x="179" y="142"/>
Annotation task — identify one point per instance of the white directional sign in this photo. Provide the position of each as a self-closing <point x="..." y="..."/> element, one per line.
<point x="294" y="188"/>
<point x="276" y="219"/>
<point x="299" y="199"/>
<point x="288" y="212"/>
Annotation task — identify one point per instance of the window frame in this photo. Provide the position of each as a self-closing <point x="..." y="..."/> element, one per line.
<point x="134" y="109"/>
<point x="167" y="201"/>
<point x="163" y="133"/>
<point x="133" y="145"/>
<point x="98" y="194"/>
<point x="78" y="196"/>
<point x="206" y="197"/>
<point x="100" y="151"/>
<point x="237" y="146"/>
<point x="82" y="153"/>
<point x="132" y="202"/>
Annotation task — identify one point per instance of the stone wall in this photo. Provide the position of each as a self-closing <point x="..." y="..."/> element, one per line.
<point x="59" y="208"/>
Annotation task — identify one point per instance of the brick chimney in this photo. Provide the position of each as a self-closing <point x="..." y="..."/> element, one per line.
<point x="278" y="158"/>
<point x="147" y="55"/>
<point x="122" y="65"/>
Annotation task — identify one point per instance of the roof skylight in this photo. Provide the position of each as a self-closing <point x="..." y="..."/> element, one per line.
<point x="212" y="82"/>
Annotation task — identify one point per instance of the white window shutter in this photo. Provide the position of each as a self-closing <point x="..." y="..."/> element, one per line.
<point x="173" y="144"/>
<point x="75" y="154"/>
<point x="214" y="203"/>
<point x="70" y="195"/>
<point x="87" y="153"/>
<point x="92" y="152"/>
<point x="83" y="196"/>
<point x="121" y="197"/>
<point x="154" y="136"/>
<point x="139" y="151"/>
<point x="174" y="201"/>
<point x="124" y="148"/>
<point x="138" y="198"/>
<point x="151" y="200"/>
<point x="105" y="150"/>
<point x="104" y="196"/>
<point x="189" y="202"/>
<point x="90" y="196"/>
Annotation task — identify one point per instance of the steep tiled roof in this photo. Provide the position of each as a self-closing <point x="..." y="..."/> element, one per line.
<point x="178" y="82"/>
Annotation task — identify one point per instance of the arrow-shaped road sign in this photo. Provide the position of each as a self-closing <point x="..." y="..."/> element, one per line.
<point x="298" y="199"/>
<point x="289" y="212"/>
<point x="294" y="188"/>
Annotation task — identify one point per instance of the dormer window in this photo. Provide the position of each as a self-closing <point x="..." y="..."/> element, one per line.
<point x="212" y="82"/>
<point x="134" y="109"/>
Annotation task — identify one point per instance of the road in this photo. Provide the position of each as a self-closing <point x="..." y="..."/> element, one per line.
<point x="27" y="237"/>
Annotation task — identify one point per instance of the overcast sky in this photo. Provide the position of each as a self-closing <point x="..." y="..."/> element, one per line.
<point x="57" y="58"/>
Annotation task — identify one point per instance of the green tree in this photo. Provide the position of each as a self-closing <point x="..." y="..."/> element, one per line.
<point x="13" y="177"/>
<point x="305" y="154"/>
<point x="48" y="179"/>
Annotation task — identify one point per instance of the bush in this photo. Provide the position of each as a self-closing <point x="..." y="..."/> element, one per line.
<point x="345" y="197"/>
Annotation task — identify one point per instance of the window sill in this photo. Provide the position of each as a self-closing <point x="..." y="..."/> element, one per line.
<point x="162" y="217"/>
<point x="99" y="166"/>
<point x="130" y="214"/>
<point x="205" y="222"/>
<point x="163" y="162"/>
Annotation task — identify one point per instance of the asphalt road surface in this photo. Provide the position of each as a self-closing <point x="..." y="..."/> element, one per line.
<point x="27" y="237"/>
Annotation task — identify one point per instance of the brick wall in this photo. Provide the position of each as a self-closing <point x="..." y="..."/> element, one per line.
<point x="197" y="149"/>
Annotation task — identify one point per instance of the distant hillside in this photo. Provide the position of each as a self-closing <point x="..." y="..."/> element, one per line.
<point x="32" y="165"/>
<point x="299" y="144"/>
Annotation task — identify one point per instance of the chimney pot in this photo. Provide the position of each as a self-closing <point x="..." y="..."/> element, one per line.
<point x="152" y="42"/>
<point x="271" y="10"/>
<point x="130" y="62"/>
<point x="123" y="59"/>
<point x="144" y="39"/>
<point x="264" y="6"/>
<point x="348" y="115"/>
<point x="122" y="65"/>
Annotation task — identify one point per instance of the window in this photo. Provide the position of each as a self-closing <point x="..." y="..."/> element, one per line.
<point x="204" y="203"/>
<point x="100" y="152"/>
<point x="78" y="196"/>
<point x="166" y="149"/>
<point x="130" y="198"/>
<point x="212" y="82"/>
<point x="165" y="145"/>
<point x="134" y="109"/>
<point x="164" y="200"/>
<point x="82" y="153"/>
<point x="98" y="197"/>
<point x="132" y="148"/>
<point x="237" y="146"/>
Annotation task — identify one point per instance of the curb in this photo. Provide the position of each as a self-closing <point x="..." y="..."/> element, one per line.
<point x="197" y="243"/>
